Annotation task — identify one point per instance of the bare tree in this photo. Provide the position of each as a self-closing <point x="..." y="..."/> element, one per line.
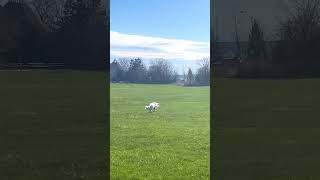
<point x="303" y="22"/>
<point x="115" y="71"/>
<point x="161" y="71"/>
<point x="50" y="12"/>
<point x="203" y="73"/>
<point x="124" y="63"/>
<point x="299" y="35"/>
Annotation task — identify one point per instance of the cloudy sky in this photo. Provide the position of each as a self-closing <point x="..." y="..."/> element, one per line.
<point x="176" y="30"/>
<point x="123" y="44"/>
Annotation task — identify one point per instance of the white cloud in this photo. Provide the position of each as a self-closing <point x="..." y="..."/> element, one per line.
<point x="125" y="45"/>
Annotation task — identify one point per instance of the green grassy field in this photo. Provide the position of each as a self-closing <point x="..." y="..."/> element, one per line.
<point x="172" y="143"/>
<point x="52" y="125"/>
<point x="266" y="129"/>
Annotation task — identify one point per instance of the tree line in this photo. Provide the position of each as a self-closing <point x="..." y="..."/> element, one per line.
<point x="159" y="71"/>
<point x="75" y="34"/>
<point x="294" y="53"/>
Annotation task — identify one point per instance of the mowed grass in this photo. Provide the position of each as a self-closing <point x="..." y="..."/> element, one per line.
<point x="53" y="125"/>
<point x="172" y="143"/>
<point x="266" y="129"/>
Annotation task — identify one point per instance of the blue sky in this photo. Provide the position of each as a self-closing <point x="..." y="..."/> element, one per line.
<point x="177" y="30"/>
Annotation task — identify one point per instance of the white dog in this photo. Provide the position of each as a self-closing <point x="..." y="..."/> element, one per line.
<point x="153" y="106"/>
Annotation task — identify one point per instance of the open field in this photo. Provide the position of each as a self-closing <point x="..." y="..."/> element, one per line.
<point x="52" y="125"/>
<point x="172" y="143"/>
<point x="267" y="129"/>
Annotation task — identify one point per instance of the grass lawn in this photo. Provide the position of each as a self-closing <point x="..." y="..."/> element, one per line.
<point x="52" y="125"/>
<point x="172" y="143"/>
<point x="266" y="129"/>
